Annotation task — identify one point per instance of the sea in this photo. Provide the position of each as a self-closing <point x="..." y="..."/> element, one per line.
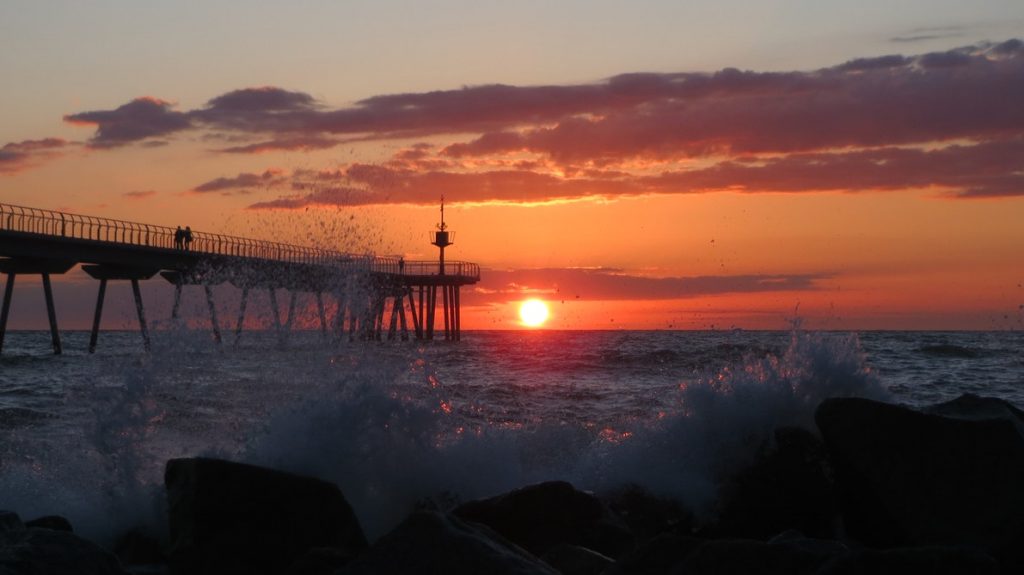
<point x="398" y="424"/>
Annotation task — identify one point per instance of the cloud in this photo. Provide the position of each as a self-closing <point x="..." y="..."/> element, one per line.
<point x="929" y="33"/>
<point x="297" y="143"/>
<point x="612" y="284"/>
<point x="939" y="120"/>
<point x="139" y="195"/>
<point x="138" y="120"/>
<point x="969" y="92"/>
<point x="270" y="178"/>
<point x="18" y="156"/>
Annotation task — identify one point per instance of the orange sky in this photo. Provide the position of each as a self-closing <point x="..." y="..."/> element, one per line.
<point x="883" y="188"/>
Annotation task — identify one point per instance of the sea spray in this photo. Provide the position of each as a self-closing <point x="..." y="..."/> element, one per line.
<point x="399" y="423"/>
<point x="725" y="418"/>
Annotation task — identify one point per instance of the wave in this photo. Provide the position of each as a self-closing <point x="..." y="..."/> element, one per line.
<point x="385" y="426"/>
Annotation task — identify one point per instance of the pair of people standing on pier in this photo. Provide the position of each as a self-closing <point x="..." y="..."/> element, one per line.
<point x="183" y="238"/>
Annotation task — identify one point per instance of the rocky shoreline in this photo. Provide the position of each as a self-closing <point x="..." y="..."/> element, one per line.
<point x="878" y="488"/>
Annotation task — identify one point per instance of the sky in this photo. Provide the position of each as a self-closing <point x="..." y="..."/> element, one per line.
<point x="637" y="165"/>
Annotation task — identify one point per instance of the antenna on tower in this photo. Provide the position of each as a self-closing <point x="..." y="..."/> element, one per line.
<point x="442" y="226"/>
<point x="442" y="238"/>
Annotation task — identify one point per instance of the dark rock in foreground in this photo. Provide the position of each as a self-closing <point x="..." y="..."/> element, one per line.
<point x="646" y="514"/>
<point x="931" y="560"/>
<point x="907" y="478"/>
<point x="227" y="517"/>
<point x="55" y="522"/>
<point x="34" y="550"/>
<point x="434" y="543"/>
<point x="576" y="560"/>
<point x="538" y="517"/>
<point x="789" y="487"/>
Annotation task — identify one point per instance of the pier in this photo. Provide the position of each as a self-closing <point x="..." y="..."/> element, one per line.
<point x="372" y="293"/>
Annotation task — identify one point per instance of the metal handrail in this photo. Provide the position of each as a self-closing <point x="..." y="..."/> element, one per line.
<point x="92" y="228"/>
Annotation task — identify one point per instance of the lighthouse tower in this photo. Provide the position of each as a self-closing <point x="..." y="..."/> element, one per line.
<point x="442" y="239"/>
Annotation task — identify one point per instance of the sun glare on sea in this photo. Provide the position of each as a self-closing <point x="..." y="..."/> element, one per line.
<point x="533" y="312"/>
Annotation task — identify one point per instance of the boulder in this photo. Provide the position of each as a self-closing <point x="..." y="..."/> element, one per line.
<point x="55" y="522"/>
<point x="691" y="556"/>
<point x="540" y="516"/>
<point x="576" y="560"/>
<point x="32" y="550"/>
<point x="435" y="543"/>
<point x="749" y="557"/>
<point x="138" y="548"/>
<point x="931" y="560"/>
<point x="906" y="478"/>
<point x="647" y="515"/>
<point x="976" y="408"/>
<point x="10" y="521"/>
<point x="227" y="517"/>
<point x="788" y="487"/>
<point x="656" y="556"/>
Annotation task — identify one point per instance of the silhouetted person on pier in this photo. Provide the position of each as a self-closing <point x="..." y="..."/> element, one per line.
<point x="188" y="238"/>
<point x="179" y="238"/>
<point x="401" y="265"/>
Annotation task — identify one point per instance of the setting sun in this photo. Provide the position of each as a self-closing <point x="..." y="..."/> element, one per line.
<point x="533" y="312"/>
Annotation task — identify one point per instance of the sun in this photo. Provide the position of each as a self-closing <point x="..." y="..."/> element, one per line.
<point x="533" y="312"/>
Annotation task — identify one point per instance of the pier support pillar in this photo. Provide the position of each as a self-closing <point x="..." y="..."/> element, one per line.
<point x="94" y="336"/>
<point x="241" y="315"/>
<point x="51" y="313"/>
<point x="143" y="329"/>
<point x="322" y="314"/>
<point x="213" y="314"/>
<point x="5" y="311"/>
<point x="106" y="272"/>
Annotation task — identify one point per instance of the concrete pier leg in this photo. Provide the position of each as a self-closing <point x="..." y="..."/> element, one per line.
<point x="277" y="312"/>
<point x="5" y="311"/>
<point x="423" y="316"/>
<point x="143" y="329"/>
<point x="291" y="312"/>
<point x="379" y="318"/>
<point x="94" y="336"/>
<point x="241" y="315"/>
<point x="396" y="305"/>
<point x="447" y="313"/>
<point x="417" y="327"/>
<point x="431" y="303"/>
<point x="177" y="301"/>
<point x="458" y="312"/>
<point x="322" y="313"/>
<point x="401" y="316"/>
<point x="213" y="314"/>
<point x="52" y="313"/>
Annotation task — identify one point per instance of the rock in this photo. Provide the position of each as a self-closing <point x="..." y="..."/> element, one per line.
<point x="55" y="522"/>
<point x="931" y="560"/>
<point x="137" y="548"/>
<point x="435" y="543"/>
<point x="821" y="548"/>
<point x="9" y="521"/>
<point x="230" y="517"/>
<point x="320" y="561"/>
<point x="749" y="557"/>
<point x="541" y="516"/>
<point x="575" y="560"/>
<point x="789" y="487"/>
<point x="31" y="550"/>
<point x="647" y="515"/>
<point x="907" y="478"/>
<point x="975" y="408"/>
<point x="656" y="556"/>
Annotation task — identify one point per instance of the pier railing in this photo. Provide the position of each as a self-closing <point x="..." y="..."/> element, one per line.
<point x="393" y="265"/>
<point x="76" y="226"/>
